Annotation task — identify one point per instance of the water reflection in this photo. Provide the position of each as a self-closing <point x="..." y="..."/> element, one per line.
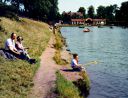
<point x="108" y="46"/>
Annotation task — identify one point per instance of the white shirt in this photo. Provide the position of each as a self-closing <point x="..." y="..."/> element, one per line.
<point x="9" y="43"/>
<point x="74" y="63"/>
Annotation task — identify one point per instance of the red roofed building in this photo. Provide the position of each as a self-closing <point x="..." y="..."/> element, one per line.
<point x="95" y="22"/>
<point x="99" y="21"/>
<point x="77" y="21"/>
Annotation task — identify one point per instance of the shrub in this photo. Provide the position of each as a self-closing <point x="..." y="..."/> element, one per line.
<point x="58" y="59"/>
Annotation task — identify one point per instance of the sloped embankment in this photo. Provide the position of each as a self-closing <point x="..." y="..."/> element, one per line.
<point x="16" y="76"/>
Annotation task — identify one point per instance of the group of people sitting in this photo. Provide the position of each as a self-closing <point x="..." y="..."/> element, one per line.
<point x="14" y="50"/>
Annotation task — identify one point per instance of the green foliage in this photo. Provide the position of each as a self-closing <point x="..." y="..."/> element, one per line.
<point x="107" y="12"/>
<point x="37" y="9"/>
<point x="123" y="13"/>
<point x="58" y="46"/>
<point x="101" y="12"/>
<point x="8" y="11"/>
<point x="16" y="76"/>
<point x="53" y="13"/>
<point x="83" y="84"/>
<point x="58" y="60"/>
<point x="91" y="12"/>
<point x="83" y="11"/>
<point x="59" y="42"/>
<point x="65" y="88"/>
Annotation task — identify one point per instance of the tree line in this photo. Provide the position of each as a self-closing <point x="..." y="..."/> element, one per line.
<point x="47" y="10"/>
<point x="38" y="9"/>
<point x="112" y="13"/>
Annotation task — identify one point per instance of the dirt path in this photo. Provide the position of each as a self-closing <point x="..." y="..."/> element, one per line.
<point x="45" y="77"/>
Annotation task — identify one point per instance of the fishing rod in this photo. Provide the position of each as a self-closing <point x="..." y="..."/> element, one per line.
<point x="88" y="64"/>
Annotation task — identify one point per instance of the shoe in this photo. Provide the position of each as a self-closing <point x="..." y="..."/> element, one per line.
<point x="32" y="61"/>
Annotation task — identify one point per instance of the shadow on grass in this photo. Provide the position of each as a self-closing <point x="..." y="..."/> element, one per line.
<point x="69" y="70"/>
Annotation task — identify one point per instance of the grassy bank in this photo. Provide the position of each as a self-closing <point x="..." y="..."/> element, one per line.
<point x="16" y="76"/>
<point x="65" y="88"/>
<point x="58" y="46"/>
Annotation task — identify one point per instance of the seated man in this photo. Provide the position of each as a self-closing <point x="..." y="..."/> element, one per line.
<point x="10" y="47"/>
<point x="74" y="63"/>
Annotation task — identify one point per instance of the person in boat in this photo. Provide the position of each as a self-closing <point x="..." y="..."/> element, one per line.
<point x="86" y="30"/>
<point x="74" y="63"/>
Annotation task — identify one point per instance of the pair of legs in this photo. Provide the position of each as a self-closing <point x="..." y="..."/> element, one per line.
<point x="7" y="54"/>
<point x="22" y="56"/>
<point x="25" y="56"/>
<point x="77" y="68"/>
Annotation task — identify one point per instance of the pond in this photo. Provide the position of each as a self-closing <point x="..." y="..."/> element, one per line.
<point x="109" y="48"/>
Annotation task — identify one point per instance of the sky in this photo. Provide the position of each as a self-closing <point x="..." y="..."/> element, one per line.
<point x="74" y="5"/>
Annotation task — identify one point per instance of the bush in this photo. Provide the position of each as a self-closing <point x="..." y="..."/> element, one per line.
<point x="58" y="60"/>
<point x="59" y="43"/>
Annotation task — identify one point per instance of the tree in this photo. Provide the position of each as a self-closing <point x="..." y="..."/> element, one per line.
<point x="101" y="12"/>
<point x="107" y="12"/>
<point x="39" y="9"/>
<point x="83" y="11"/>
<point x="91" y="12"/>
<point x="53" y="10"/>
<point x="110" y="12"/>
<point x="124" y="11"/>
<point x="66" y="17"/>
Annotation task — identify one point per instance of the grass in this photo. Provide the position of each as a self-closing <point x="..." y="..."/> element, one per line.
<point x="65" y="88"/>
<point x="57" y="58"/>
<point x="58" y="46"/>
<point x="16" y="76"/>
<point x="83" y="84"/>
<point x="59" y="41"/>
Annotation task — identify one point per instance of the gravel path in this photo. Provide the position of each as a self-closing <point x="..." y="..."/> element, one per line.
<point x="44" y="79"/>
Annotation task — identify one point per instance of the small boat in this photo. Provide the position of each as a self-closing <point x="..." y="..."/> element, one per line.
<point x="86" y="30"/>
<point x="99" y="26"/>
<point x="81" y="26"/>
<point x="111" y="27"/>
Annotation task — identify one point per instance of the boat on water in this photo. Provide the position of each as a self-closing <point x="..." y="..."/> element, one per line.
<point x="99" y="26"/>
<point x="111" y="27"/>
<point x="86" y="30"/>
<point x="81" y="26"/>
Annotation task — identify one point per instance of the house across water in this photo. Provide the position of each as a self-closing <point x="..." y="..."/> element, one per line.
<point x="77" y="21"/>
<point x="88" y="21"/>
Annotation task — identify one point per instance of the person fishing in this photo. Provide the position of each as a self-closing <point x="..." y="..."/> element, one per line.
<point x="75" y="65"/>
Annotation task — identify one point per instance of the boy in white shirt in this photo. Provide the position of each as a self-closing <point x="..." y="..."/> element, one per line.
<point x="74" y="63"/>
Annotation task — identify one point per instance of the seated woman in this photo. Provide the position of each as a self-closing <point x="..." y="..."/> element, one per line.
<point x="23" y="50"/>
<point x="19" y="46"/>
<point x="74" y="63"/>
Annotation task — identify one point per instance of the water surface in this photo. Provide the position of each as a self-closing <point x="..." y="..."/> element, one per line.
<point x="109" y="47"/>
